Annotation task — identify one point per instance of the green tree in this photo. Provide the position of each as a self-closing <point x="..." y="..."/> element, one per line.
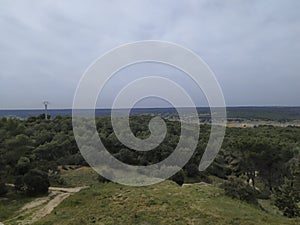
<point x="23" y="165"/>
<point x="286" y="199"/>
<point x="34" y="182"/>
<point x="192" y="170"/>
<point x="127" y="156"/>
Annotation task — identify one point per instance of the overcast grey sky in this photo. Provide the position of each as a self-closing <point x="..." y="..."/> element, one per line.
<point x="252" y="46"/>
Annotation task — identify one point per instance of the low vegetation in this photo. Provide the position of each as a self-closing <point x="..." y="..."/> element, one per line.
<point x="164" y="203"/>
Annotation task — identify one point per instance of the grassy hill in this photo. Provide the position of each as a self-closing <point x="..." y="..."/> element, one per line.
<point x="164" y="203"/>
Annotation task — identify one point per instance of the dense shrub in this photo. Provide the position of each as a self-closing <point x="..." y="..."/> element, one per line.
<point x="3" y="189"/>
<point x="19" y="184"/>
<point x="237" y="188"/>
<point x="34" y="182"/>
<point x="286" y="198"/>
<point x="192" y="170"/>
<point x="56" y="179"/>
<point x="178" y="178"/>
<point x="23" y="165"/>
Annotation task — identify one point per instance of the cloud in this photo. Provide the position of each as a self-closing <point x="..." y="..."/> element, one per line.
<point x="252" y="46"/>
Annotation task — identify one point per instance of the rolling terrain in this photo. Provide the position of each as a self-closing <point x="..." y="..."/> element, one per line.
<point x="164" y="203"/>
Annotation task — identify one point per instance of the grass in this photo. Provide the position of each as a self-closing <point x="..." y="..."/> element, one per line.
<point x="12" y="203"/>
<point x="87" y="176"/>
<point x="79" y="177"/>
<point x="270" y="208"/>
<point x="164" y="203"/>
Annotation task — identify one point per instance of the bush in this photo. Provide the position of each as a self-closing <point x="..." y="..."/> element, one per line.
<point x="56" y="179"/>
<point x="3" y="189"/>
<point x="192" y="170"/>
<point x="178" y="178"/>
<point x="286" y="199"/>
<point x="23" y="165"/>
<point x="34" y="182"/>
<point x="220" y="170"/>
<point x="37" y="182"/>
<point x="19" y="184"/>
<point x="237" y="188"/>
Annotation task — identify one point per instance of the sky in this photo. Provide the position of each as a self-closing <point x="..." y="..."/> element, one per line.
<point x="252" y="47"/>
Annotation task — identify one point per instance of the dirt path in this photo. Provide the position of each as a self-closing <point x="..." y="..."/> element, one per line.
<point x="200" y="183"/>
<point x="40" y="207"/>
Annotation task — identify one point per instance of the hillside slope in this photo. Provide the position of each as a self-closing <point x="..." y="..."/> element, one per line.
<point x="164" y="203"/>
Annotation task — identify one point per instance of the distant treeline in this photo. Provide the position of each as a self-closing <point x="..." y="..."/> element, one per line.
<point x="281" y="114"/>
<point x="265" y="113"/>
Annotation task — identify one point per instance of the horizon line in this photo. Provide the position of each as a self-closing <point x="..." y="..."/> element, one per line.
<point x="229" y="106"/>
